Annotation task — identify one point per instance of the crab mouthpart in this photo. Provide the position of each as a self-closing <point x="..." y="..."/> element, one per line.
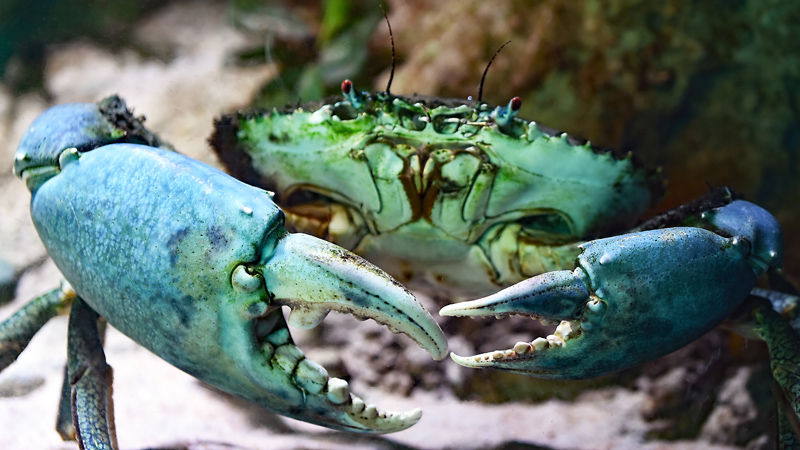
<point x="556" y="297"/>
<point x="313" y="277"/>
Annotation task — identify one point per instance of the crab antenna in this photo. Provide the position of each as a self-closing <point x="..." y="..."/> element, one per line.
<point x="391" y="38"/>
<point x="486" y="70"/>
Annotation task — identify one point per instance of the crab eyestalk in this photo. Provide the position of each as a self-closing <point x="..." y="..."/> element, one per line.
<point x="352" y="95"/>
<point x="505" y="115"/>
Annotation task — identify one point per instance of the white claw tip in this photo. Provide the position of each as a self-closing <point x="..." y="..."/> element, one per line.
<point x="458" y="359"/>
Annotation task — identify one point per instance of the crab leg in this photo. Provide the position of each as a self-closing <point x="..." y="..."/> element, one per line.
<point x="64" y="419"/>
<point x="90" y="378"/>
<point x="787" y="433"/>
<point x="784" y="351"/>
<point x="64" y="425"/>
<point x="17" y="331"/>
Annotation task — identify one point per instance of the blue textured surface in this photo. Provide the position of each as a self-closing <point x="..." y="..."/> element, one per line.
<point x="77" y="125"/>
<point x="151" y="240"/>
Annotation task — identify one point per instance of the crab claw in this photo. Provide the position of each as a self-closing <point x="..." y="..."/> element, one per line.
<point x="195" y="265"/>
<point x="314" y="277"/>
<point x="631" y="298"/>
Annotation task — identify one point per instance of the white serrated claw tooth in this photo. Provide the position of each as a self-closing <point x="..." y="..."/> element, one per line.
<point x="566" y="330"/>
<point x="338" y="390"/>
<point x="539" y="343"/>
<point x="287" y="356"/>
<point x="370" y="412"/>
<point x="356" y="404"/>
<point x="280" y="336"/>
<point x="522" y="348"/>
<point x="555" y="341"/>
<point x="308" y="318"/>
<point x="310" y="376"/>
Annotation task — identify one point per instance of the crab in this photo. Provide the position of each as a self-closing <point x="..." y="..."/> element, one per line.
<point x="195" y="266"/>
<point x="460" y="199"/>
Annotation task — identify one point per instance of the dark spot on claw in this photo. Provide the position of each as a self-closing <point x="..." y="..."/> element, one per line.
<point x="347" y="86"/>
<point x="516" y="103"/>
<point x="174" y="243"/>
<point x="217" y="238"/>
<point x="183" y="309"/>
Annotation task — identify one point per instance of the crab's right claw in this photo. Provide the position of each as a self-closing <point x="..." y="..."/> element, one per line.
<point x="314" y="277"/>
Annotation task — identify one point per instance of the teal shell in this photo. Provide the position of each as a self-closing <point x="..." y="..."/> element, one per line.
<point x="446" y="195"/>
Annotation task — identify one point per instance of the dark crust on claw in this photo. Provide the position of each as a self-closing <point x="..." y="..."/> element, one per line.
<point x="226" y="144"/>
<point x="117" y="113"/>
<point x="716" y="198"/>
<point x="237" y="160"/>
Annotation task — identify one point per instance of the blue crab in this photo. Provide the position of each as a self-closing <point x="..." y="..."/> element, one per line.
<point x="461" y="199"/>
<point x="194" y="266"/>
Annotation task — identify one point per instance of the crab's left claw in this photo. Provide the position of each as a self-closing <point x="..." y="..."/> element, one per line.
<point x="635" y="297"/>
